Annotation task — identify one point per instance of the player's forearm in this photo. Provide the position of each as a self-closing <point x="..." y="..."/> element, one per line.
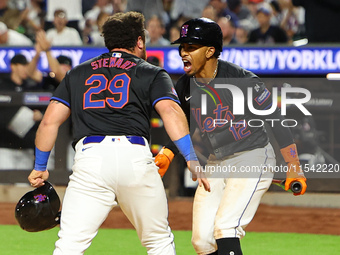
<point x="176" y="125"/>
<point x="174" y="120"/>
<point x="46" y="136"/>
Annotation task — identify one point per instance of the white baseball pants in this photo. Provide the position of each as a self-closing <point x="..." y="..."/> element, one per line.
<point x="104" y="174"/>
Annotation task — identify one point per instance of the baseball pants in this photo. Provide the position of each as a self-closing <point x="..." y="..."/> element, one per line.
<point x="232" y="203"/>
<point x="114" y="171"/>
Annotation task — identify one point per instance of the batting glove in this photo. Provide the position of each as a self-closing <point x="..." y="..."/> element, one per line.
<point x="163" y="160"/>
<point x="294" y="172"/>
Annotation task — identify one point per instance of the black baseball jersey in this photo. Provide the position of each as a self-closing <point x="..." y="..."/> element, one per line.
<point x="224" y="132"/>
<point x="113" y="94"/>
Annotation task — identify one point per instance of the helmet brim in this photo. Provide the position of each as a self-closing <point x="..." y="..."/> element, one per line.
<point x="188" y="40"/>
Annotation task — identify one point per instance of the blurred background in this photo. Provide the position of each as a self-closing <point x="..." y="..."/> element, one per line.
<point x="288" y="43"/>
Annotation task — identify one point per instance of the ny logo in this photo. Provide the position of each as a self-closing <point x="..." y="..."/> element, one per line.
<point x="292" y="153"/>
<point x="40" y="197"/>
<point x="184" y="31"/>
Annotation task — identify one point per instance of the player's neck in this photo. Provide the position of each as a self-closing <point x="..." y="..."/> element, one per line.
<point x="209" y="71"/>
<point x="122" y="49"/>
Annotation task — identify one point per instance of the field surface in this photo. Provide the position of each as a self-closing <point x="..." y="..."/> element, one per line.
<point x="317" y="231"/>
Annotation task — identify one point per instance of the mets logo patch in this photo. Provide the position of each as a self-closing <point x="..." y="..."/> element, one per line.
<point x="184" y="31"/>
<point x="263" y="97"/>
<point x="40" y="197"/>
<point x="292" y="152"/>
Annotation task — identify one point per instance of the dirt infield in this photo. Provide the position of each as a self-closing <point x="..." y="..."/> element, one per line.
<point x="267" y="219"/>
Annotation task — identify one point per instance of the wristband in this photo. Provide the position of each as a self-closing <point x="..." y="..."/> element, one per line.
<point x="41" y="158"/>
<point x="186" y="148"/>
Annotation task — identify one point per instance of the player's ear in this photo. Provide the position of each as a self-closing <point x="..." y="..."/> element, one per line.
<point x="140" y="43"/>
<point x="210" y="52"/>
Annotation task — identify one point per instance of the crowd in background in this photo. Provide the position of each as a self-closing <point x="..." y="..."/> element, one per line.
<point x="242" y="21"/>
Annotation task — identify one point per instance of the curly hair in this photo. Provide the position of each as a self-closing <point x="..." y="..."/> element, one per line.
<point x="122" y="30"/>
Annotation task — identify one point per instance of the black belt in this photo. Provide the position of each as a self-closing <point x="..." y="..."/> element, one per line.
<point x="99" y="138"/>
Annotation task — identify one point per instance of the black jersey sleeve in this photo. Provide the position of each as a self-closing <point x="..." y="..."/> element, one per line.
<point x="62" y="94"/>
<point x="162" y="88"/>
<point x="283" y="135"/>
<point x="262" y="100"/>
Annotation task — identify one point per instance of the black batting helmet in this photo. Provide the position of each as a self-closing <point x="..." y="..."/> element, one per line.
<point x="38" y="210"/>
<point x="201" y="31"/>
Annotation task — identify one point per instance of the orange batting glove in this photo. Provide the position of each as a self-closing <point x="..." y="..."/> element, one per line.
<point x="294" y="172"/>
<point x="163" y="160"/>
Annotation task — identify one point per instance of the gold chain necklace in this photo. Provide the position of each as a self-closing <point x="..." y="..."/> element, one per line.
<point x="202" y="86"/>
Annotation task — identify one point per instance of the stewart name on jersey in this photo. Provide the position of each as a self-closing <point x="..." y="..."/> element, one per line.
<point x="101" y="87"/>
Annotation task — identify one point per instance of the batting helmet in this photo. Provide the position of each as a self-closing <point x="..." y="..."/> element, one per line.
<point x="38" y="210"/>
<point x="201" y="31"/>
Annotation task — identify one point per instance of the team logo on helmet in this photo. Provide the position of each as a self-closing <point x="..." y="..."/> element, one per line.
<point x="184" y="31"/>
<point x="40" y="197"/>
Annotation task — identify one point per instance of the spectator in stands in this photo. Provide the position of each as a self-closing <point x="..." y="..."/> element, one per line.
<point x="237" y="7"/>
<point x="277" y="15"/>
<point x="10" y="14"/>
<point x="33" y="18"/>
<point x="94" y="35"/>
<point x="18" y="124"/>
<point x="252" y="6"/>
<point x="210" y="12"/>
<point x="73" y="9"/>
<point x="290" y="19"/>
<point x="10" y="37"/>
<point x="228" y="30"/>
<point x="149" y="8"/>
<point x="174" y="32"/>
<point x="24" y="75"/>
<point x="322" y="19"/>
<point x="101" y="6"/>
<point x="242" y="31"/>
<point x="58" y="66"/>
<point x="156" y="30"/>
<point x="222" y="10"/>
<point x="220" y="7"/>
<point x="187" y="8"/>
<point x="267" y="33"/>
<point x="58" y="69"/>
<point x="62" y="35"/>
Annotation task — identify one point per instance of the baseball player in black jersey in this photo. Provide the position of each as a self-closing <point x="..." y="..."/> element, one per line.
<point x="110" y="99"/>
<point x="219" y="216"/>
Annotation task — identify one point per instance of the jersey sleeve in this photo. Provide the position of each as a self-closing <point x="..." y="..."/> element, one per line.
<point x="62" y="94"/>
<point x="162" y="88"/>
<point x="262" y="100"/>
<point x="262" y="97"/>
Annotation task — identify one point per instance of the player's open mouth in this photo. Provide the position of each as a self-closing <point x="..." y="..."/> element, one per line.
<point x="187" y="66"/>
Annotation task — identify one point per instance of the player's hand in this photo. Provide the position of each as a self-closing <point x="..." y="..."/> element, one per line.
<point x="197" y="174"/>
<point x="37" y="178"/>
<point x="294" y="174"/>
<point x="163" y="160"/>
